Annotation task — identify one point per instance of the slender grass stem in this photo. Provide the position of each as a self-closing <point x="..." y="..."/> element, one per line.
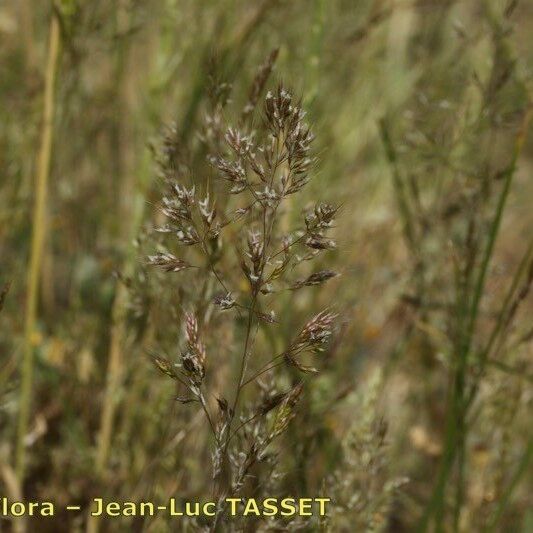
<point x="461" y="399"/>
<point x="493" y="233"/>
<point x="38" y="241"/>
<point x="117" y="335"/>
<point x="261" y="372"/>
<point x="495" y="226"/>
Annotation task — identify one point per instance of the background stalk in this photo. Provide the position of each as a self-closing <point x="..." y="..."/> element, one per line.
<point x="125" y="199"/>
<point x="38" y="241"/>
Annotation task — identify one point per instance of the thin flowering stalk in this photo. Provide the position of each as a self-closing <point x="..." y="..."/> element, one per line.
<point x="264" y="370"/>
<point x="266" y="242"/>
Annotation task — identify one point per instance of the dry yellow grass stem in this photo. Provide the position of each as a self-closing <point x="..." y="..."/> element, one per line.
<point x="38" y="238"/>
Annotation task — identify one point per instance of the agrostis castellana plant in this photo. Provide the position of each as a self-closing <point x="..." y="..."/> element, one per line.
<point x="258" y="170"/>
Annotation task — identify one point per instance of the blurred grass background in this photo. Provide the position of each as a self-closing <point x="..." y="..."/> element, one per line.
<point x="126" y="68"/>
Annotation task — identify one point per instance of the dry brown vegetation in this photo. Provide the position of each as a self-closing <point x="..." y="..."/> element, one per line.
<point x="268" y="249"/>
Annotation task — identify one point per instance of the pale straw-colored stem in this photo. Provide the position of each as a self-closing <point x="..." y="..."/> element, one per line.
<point x="37" y="243"/>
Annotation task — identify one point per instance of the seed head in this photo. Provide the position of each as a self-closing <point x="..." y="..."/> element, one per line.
<point x="315" y="279"/>
<point x="168" y="262"/>
<point x="224" y="301"/>
<point x="315" y="334"/>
